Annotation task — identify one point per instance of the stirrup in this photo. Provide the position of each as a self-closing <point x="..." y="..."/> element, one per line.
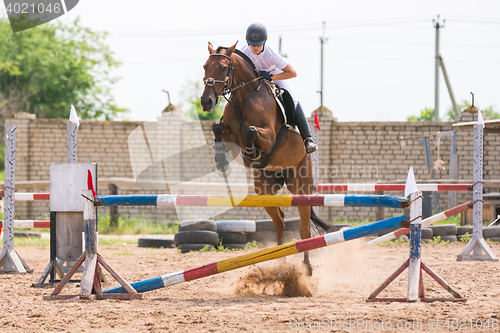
<point x="310" y="145"/>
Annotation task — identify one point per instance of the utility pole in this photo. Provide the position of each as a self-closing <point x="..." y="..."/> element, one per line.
<point x="437" y="25"/>
<point x="322" y="40"/>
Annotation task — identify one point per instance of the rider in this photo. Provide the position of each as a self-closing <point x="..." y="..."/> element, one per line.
<point x="272" y="66"/>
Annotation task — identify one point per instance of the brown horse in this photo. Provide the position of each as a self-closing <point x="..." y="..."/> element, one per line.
<point x="256" y="126"/>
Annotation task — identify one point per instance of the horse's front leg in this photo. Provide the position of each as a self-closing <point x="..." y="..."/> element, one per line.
<point x="221" y="163"/>
<point x="251" y="151"/>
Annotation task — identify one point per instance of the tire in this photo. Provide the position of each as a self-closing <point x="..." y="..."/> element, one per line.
<point x="291" y="236"/>
<point x="292" y="224"/>
<point x="427" y="233"/>
<point x="196" y="237"/>
<point x="264" y="225"/>
<point x="449" y="238"/>
<point x="185" y="248"/>
<point x="490" y="232"/>
<point x="263" y="236"/>
<point x="234" y="246"/>
<point x="464" y="229"/>
<point x="236" y="226"/>
<point x="494" y="239"/>
<point x="208" y="225"/>
<point x="444" y="230"/>
<point x="155" y="242"/>
<point x="232" y="238"/>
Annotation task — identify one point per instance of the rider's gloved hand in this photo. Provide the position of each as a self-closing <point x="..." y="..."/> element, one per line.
<point x="266" y="75"/>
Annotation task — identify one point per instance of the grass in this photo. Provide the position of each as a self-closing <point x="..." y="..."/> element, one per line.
<point x="31" y="241"/>
<point x="134" y="226"/>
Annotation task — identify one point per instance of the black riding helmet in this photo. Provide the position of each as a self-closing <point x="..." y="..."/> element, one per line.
<point x="256" y="34"/>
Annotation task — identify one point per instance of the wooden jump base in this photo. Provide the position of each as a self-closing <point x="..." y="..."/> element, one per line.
<point x="425" y="223"/>
<point x="262" y="255"/>
<point x="91" y="279"/>
<point x="338" y="200"/>
<point x="390" y="187"/>
<point x="414" y="263"/>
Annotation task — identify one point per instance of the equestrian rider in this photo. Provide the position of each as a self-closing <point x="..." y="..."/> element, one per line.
<point x="272" y="66"/>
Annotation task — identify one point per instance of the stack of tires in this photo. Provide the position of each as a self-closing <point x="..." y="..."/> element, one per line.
<point x="447" y="232"/>
<point x="452" y="233"/>
<point x="195" y="235"/>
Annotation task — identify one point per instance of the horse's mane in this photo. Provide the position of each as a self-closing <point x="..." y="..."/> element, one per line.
<point x="241" y="54"/>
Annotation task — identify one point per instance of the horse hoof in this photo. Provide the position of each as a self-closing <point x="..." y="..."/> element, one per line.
<point x="225" y="172"/>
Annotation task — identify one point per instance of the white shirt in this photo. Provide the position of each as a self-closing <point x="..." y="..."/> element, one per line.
<point x="268" y="60"/>
<point x="273" y="62"/>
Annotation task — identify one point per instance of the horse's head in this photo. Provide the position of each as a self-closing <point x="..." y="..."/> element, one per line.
<point x="219" y="72"/>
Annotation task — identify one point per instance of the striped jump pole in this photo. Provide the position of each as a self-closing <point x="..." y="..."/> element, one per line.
<point x="29" y="223"/>
<point x="30" y="196"/>
<point x="425" y="223"/>
<point x="261" y="256"/>
<point x="390" y="187"/>
<point x="339" y="200"/>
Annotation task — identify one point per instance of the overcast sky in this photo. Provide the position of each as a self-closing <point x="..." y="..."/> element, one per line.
<point x="378" y="59"/>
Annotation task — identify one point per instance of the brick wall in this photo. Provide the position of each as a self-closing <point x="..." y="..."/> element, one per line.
<point x="179" y="150"/>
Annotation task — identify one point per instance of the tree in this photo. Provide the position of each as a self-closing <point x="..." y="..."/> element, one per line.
<point x="488" y="112"/>
<point x="194" y="110"/>
<point x="45" y="69"/>
<point x="426" y="114"/>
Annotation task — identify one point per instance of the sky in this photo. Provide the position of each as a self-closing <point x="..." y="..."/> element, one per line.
<point x="379" y="56"/>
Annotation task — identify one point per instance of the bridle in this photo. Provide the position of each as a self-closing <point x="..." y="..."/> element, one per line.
<point x="210" y="82"/>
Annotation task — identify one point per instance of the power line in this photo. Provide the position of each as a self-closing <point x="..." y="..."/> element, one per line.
<point x="287" y="28"/>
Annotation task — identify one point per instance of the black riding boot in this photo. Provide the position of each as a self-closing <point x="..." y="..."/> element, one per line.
<point x="301" y="121"/>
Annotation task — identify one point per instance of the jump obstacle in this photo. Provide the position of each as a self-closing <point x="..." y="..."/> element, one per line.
<point x="311" y="244"/>
<point x="262" y="256"/>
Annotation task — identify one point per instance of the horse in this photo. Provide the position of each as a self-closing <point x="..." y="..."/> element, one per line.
<point x="256" y="127"/>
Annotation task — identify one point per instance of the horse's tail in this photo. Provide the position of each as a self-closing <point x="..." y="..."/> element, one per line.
<point x="318" y="226"/>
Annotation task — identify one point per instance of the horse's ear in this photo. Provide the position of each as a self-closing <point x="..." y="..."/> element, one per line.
<point x="231" y="49"/>
<point x="210" y="48"/>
